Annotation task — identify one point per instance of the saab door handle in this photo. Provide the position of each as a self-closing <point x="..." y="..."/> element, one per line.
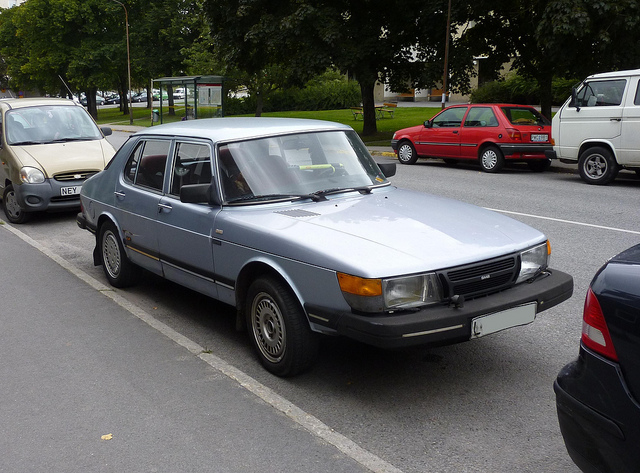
<point x="120" y="194"/>
<point x="166" y="207"/>
<point x="615" y="119"/>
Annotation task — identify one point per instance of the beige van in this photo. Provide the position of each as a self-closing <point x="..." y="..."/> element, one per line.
<point x="48" y="147"/>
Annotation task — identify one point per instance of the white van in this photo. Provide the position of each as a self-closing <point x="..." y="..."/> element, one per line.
<point x="598" y="127"/>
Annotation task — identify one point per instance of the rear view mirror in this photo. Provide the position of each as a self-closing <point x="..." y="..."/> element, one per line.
<point x="574" y="99"/>
<point x="428" y="124"/>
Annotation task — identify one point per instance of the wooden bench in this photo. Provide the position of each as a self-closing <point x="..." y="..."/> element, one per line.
<point x="357" y="112"/>
<point x="389" y="108"/>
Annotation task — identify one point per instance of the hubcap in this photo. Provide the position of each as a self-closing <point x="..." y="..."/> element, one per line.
<point x="595" y="166"/>
<point x="111" y="254"/>
<point x="489" y="159"/>
<point x="12" y="206"/>
<point x="268" y="327"/>
<point x="405" y="153"/>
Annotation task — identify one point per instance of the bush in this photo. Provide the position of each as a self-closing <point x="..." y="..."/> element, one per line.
<point x="517" y="89"/>
<point x="329" y="91"/>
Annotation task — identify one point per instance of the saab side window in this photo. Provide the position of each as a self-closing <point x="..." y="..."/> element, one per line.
<point x="146" y="166"/>
<point x="449" y="118"/>
<point x="192" y="165"/>
<point x="601" y="93"/>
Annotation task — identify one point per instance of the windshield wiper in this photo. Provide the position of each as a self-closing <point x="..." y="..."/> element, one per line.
<point x="251" y="197"/>
<point x="336" y="190"/>
<point x="22" y="143"/>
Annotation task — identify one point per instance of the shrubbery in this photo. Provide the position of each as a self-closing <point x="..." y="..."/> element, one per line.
<point x="330" y="91"/>
<point x="517" y="89"/>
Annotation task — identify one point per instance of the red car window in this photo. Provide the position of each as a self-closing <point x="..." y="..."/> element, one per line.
<point x="481" y="116"/>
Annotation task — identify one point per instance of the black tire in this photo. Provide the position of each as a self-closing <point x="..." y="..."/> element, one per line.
<point x="598" y="166"/>
<point x="407" y="152"/>
<point x="119" y="270"/>
<point x="11" y="207"/>
<point x="539" y="165"/>
<point x="279" y="329"/>
<point x="491" y="159"/>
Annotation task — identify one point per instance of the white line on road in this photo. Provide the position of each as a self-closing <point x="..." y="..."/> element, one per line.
<point x="304" y="419"/>
<point x="572" y="222"/>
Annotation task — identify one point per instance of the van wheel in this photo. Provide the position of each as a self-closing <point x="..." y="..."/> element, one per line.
<point x="598" y="166"/>
<point x="279" y="328"/>
<point x="491" y="159"/>
<point x="11" y="207"/>
<point x="407" y="153"/>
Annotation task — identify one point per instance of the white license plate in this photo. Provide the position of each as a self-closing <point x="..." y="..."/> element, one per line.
<point x="486" y="324"/>
<point x="75" y="190"/>
<point x="539" y="137"/>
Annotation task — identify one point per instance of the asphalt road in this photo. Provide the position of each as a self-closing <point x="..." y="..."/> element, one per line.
<point x="481" y="406"/>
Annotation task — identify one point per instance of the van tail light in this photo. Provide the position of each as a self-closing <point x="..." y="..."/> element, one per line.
<point x="514" y="134"/>
<point x="595" y="333"/>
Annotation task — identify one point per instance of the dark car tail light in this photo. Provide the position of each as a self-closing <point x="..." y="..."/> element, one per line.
<point x="514" y="134"/>
<point x="595" y="333"/>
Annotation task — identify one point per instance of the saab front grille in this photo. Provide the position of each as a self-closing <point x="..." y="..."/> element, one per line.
<point x="480" y="279"/>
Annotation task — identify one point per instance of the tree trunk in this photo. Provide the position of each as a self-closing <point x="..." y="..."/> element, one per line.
<point x="92" y="108"/>
<point x="546" y="93"/>
<point x="172" y="107"/>
<point x="369" y="126"/>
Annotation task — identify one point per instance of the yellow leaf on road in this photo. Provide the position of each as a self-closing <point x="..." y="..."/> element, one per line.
<point x="107" y="437"/>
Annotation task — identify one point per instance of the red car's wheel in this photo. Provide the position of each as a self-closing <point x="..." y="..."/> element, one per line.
<point x="491" y="159"/>
<point x="407" y="153"/>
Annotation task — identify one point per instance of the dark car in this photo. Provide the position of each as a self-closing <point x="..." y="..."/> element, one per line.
<point x="597" y="395"/>
<point x="491" y="134"/>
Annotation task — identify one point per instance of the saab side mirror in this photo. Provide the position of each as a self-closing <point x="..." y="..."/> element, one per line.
<point x="388" y="169"/>
<point x="428" y="124"/>
<point x="199" y="194"/>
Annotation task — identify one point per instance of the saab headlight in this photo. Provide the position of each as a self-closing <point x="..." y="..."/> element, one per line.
<point x="534" y="261"/>
<point x="378" y="295"/>
<point x="30" y="175"/>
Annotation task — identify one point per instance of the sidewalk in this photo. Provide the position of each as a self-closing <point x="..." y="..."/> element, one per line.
<point x="88" y="386"/>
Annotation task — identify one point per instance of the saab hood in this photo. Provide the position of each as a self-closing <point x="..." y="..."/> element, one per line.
<point x="401" y="231"/>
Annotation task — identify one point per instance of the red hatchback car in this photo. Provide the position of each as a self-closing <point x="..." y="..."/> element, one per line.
<point x="490" y="133"/>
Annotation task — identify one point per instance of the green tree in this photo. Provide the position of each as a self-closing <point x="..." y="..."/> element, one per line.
<point x="367" y="39"/>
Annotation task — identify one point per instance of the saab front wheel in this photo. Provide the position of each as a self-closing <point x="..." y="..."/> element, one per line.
<point x="279" y="328"/>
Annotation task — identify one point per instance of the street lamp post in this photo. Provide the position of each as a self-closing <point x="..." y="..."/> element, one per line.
<point x="126" y="24"/>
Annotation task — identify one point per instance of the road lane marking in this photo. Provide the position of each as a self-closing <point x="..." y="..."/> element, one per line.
<point x="572" y="222"/>
<point x="312" y="424"/>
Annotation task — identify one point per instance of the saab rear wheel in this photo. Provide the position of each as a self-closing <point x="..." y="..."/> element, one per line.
<point x="598" y="166"/>
<point x="279" y="329"/>
<point x="407" y="153"/>
<point x="119" y="270"/>
<point x="491" y="159"/>
<point x="11" y="207"/>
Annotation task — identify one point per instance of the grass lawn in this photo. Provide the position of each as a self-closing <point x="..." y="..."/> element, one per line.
<point x="403" y="118"/>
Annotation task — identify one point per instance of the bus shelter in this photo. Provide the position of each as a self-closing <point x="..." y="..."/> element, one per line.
<point x="188" y="98"/>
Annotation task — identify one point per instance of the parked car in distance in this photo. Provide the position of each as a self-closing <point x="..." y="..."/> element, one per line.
<point x="597" y="127"/>
<point x="491" y="134"/>
<point x="598" y="395"/>
<point x="112" y="99"/>
<point x="99" y="100"/>
<point x="293" y="223"/>
<point x="48" y="148"/>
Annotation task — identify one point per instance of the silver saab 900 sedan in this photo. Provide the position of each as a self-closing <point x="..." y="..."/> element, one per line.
<point x="294" y="224"/>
